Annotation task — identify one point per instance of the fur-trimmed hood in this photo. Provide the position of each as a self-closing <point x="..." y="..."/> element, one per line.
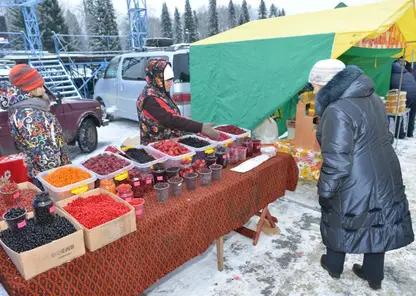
<point x="349" y="83"/>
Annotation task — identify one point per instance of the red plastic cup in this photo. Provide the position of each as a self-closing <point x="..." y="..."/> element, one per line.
<point x="138" y="204"/>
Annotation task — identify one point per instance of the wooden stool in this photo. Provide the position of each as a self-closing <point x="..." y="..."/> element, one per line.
<point x="255" y="235"/>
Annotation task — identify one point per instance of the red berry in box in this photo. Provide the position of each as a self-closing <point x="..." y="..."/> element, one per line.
<point x="223" y="137"/>
<point x="171" y="148"/>
<point x="231" y="129"/>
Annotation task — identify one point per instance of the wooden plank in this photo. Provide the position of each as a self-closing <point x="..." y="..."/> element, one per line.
<point x="220" y="253"/>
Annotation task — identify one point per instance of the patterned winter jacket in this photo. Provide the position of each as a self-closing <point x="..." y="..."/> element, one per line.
<point x="159" y="116"/>
<point x="36" y="131"/>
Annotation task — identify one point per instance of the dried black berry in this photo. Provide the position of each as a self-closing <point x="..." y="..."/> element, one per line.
<point x="14" y="213"/>
<point x="35" y="235"/>
<point x="194" y="142"/>
<point x="139" y="155"/>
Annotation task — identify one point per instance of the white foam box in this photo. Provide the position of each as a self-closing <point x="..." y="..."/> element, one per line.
<point x="34" y="262"/>
<point x="109" y="232"/>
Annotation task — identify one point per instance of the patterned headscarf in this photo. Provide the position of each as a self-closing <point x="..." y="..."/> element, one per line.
<point x="154" y="73"/>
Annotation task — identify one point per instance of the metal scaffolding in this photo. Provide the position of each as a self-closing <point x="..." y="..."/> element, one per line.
<point x="139" y="24"/>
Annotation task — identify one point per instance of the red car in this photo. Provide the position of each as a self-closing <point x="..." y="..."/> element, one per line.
<point x="79" y="120"/>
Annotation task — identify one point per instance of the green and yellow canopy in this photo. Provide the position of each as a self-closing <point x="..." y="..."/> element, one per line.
<point x="243" y="75"/>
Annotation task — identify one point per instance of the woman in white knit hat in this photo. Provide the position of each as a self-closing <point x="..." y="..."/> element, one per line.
<point x="361" y="192"/>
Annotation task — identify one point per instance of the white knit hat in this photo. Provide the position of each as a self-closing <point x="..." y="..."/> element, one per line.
<point x="168" y="73"/>
<point x="323" y="71"/>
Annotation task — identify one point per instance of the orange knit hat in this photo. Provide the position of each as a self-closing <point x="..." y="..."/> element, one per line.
<point x="25" y="77"/>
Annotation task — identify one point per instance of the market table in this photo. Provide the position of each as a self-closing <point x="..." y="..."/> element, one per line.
<point x="168" y="236"/>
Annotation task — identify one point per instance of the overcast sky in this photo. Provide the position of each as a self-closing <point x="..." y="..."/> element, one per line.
<point x="291" y="6"/>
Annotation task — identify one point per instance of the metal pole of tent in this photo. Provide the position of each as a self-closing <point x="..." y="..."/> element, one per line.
<point x="398" y="98"/>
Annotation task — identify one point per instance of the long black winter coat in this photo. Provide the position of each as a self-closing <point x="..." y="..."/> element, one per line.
<point x="364" y="206"/>
<point x="408" y="82"/>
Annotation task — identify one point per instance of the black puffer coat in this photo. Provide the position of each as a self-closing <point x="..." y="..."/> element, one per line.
<point x="364" y="206"/>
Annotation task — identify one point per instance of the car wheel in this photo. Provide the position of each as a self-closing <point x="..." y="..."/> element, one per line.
<point x="87" y="136"/>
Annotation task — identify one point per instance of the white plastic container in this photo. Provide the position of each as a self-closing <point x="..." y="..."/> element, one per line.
<point x="159" y="156"/>
<point x="121" y="174"/>
<point x="238" y="138"/>
<point x="73" y="189"/>
<point x="220" y="143"/>
<point x="199" y="152"/>
<point x="176" y="161"/>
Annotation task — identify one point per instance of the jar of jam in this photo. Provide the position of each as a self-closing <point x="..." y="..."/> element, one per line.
<point x="222" y="157"/>
<point x="147" y="183"/>
<point x="233" y="153"/>
<point x="248" y="143"/>
<point x="159" y="173"/>
<point x="125" y="192"/>
<point x="108" y="185"/>
<point x="135" y="181"/>
<point x="210" y="157"/>
<point x="257" y="146"/>
<point x="44" y="209"/>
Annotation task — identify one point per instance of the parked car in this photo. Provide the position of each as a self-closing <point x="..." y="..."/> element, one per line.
<point x="79" y="120"/>
<point x="124" y="79"/>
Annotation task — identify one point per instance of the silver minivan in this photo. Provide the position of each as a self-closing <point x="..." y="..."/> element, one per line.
<point x="124" y="79"/>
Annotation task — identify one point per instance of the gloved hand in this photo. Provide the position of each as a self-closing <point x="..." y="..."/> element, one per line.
<point x="207" y="129"/>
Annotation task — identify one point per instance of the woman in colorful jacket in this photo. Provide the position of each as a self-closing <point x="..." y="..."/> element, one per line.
<point x="35" y="130"/>
<point x="159" y="116"/>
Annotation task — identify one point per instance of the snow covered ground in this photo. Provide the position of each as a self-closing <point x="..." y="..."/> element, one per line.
<point x="287" y="264"/>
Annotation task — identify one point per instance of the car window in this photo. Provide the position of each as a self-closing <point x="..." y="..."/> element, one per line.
<point x="181" y="67"/>
<point x="134" y="68"/>
<point x="112" y="69"/>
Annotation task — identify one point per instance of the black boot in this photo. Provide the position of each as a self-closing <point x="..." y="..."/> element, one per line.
<point x="324" y="266"/>
<point x="358" y="270"/>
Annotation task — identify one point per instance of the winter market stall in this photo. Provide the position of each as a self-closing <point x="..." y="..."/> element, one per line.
<point x="246" y="73"/>
<point x="121" y="220"/>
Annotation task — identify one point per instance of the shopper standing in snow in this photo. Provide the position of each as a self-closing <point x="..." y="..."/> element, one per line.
<point x="35" y="130"/>
<point x="159" y="116"/>
<point x="409" y="86"/>
<point x="361" y="192"/>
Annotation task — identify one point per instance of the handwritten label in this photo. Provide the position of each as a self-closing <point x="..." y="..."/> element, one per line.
<point x="139" y="212"/>
<point x="16" y="195"/>
<point x="21" y="224"/>
<point x="236" y="153"/>
<point x="136" y="184"/>
<point x="128" y="199"/>
<point x="122" y="176"/>
<point x="258" y="147"/>
<point x="160" y="178"/>
<point x="80" y="190"/>
<point x="224" y="156"/>
<point x="52" y="209"/>
<point x="148" y="181"/>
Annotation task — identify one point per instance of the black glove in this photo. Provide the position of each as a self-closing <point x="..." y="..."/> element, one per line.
<point x="325" y="203"/>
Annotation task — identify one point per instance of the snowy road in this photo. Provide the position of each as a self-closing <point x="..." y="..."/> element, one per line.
<point x="282" y="265"/>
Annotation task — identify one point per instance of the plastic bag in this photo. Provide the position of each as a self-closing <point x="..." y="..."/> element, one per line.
<point x="267" y="131"/>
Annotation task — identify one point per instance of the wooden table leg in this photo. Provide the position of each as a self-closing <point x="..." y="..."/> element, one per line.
<point x="220" y="253"/>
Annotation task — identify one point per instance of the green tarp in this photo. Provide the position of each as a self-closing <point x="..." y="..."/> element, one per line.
<point x="243" y="83"/>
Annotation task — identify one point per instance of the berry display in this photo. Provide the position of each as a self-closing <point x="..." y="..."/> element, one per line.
<point x="96" y="210"/>
<point x="66" y="176"/>
<point x="26" y="200"/>
<point x="14" y="213"/>
<point x="198" y="165"/>
<point x="223" y="137"/>
<point x="171" y="148"/>
<point x="139" y="155"/>
<point x="9" y="188"/>
<point x="231" y="129"/>
<point x="194" y="142"/>
<point x="36" y="235"/>
<point x="105" y="164"/>
<point x="44" y="208"/>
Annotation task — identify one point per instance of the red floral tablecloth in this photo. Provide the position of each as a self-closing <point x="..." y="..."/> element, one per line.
<point x="169" y="235"/>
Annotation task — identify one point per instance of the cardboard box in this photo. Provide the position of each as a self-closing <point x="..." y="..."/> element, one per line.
<point x="28" y="185"/>
<point x="109" y="232"/>
<point x="54" y="254"/>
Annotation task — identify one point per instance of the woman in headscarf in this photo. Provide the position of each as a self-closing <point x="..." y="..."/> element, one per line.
<point x="35" y="130"/>
<point x="361" y="192"/>
<point x="159" y="116"/>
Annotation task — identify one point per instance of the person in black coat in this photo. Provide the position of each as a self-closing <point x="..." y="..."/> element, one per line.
<point x="361" y="193"/>
<point x="409" y="86"/>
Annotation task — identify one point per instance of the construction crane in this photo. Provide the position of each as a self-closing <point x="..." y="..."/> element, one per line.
<point x="139" y="24"/>
<point x="31" y="22"/>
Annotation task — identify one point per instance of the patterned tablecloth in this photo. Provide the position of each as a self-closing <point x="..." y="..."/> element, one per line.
<point x="309" y="162"/>
<point x="169" y="235"/>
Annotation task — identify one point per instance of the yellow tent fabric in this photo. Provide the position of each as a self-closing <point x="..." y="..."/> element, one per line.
<point x="350" y="25"/>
